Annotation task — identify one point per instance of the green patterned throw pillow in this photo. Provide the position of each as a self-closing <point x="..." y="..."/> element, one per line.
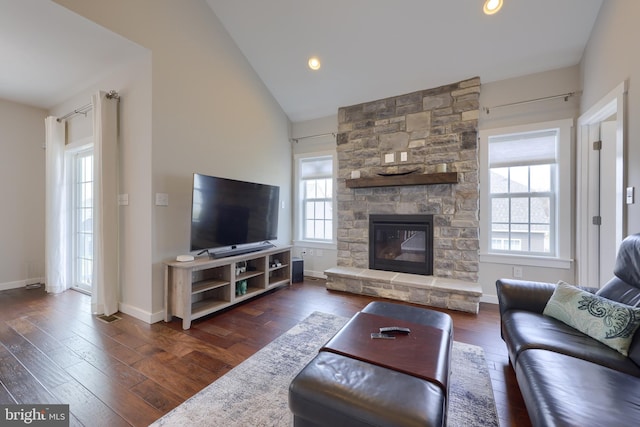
<point x="610" y="322"/>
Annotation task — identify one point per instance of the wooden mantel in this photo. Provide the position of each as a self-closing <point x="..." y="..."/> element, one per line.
<point x="399" y="180"/>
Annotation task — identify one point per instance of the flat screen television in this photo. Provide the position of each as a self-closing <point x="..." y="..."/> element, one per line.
<point x="229" y="213"/>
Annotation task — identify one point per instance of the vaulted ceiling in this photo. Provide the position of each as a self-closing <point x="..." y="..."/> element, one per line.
<point x="370" y="49"/>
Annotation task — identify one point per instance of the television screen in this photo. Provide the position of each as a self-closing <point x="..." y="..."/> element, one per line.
<point x="226" y="212"/>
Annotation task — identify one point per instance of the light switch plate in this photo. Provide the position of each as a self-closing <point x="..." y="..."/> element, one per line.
<point x="162" y="199"/>
<point x="630" y="195"/>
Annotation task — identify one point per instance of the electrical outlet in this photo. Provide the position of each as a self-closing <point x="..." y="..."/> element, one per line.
<point x="389" y="157"/>
<point x="311" y="252"/>
<point x="517" y="272"/>
<point x="162" y="199"/>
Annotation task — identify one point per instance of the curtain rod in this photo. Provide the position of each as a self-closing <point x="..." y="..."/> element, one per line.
<point x="566" y="97"/>
<point x="86" y="108"/>
<point x="333" y="134"/>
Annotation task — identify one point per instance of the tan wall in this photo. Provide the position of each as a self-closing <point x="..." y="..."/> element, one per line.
<point x="611" y="58"/>
<point x="22" y="190"/>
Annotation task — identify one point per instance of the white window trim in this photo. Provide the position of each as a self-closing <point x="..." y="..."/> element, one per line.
<point x="564" y="211"/>
<point x="298" y="240"/>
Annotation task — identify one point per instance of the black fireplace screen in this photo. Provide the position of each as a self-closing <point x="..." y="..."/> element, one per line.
<point x="401" y="243"/>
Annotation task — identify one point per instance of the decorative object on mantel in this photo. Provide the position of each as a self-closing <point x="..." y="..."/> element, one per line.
<point x="442" y="167"/>
<point x="398" y="173"/>
<point x="401" y="180"/>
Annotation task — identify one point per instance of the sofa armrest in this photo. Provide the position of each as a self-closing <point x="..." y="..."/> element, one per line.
<point x="523" y="295"/>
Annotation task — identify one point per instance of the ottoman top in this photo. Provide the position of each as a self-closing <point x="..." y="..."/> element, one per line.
<point x="423" y="353"/>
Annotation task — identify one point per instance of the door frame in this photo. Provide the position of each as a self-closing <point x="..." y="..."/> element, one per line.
<point x="612" y="103"/>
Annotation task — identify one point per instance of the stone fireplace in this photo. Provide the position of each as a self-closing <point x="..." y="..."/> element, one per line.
<point x="414" y="154"/>
<point x="401" y="243"/>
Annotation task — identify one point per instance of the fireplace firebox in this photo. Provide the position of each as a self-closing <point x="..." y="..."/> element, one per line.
<point x="401" y="243"/>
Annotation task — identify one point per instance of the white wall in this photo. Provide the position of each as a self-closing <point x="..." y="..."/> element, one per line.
<point x="317" y="257"/>
<point x="515" y="90"/>
<point x="610" y="58"/>
<point x="22" y="191"/>
<point x="133" y="83"/>
<point x="210" y="113"/>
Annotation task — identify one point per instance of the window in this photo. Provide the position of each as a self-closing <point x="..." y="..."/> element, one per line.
<point x="526" y="190"/>
<point x="315" y="184"/>
<point x="522" y="176"/>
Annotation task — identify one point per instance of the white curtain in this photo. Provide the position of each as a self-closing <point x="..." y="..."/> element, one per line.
<point x="104" y="295"/>
<point x="56" y="215"/>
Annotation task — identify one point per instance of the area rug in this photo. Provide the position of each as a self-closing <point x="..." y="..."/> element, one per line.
<point x="255" y="393"/>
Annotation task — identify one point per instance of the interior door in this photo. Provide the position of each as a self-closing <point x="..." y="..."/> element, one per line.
<point x="608" y="248"/>
<point x="602" y="205"/>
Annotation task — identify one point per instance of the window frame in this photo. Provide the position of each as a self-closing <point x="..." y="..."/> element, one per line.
<point x="560" y="256"/>
<point x="300" y="200"/>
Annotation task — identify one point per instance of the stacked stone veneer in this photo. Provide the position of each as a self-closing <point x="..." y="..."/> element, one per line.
<point x="432" y="126"/>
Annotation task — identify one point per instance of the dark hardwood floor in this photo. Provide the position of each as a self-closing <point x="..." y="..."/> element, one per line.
<point x="52" y="350"/>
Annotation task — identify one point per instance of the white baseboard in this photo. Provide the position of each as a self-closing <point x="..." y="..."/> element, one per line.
<point x="20" y="283"/>
<point x="13" y="285"/>
<point x="316" y="274"/>
<point x="491" y="299"/>
<point x="139" y="314"/>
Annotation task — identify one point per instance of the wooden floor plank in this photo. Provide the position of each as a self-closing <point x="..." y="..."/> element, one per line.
<point x="97" y="357"/>
<point x="5" y="397"/>
<point x="36" y="363"/>
<point x="47" y="344"/>
<point x="130" y="406"/>
<point x="157" y="396"/>
<point x="155" y="369"/>
<point x="87" y="408"/>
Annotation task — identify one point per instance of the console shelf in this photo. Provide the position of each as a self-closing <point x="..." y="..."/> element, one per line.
<point x="197" y="288"/>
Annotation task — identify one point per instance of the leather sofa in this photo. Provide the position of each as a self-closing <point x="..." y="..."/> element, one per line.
<point x="568" y="378"/>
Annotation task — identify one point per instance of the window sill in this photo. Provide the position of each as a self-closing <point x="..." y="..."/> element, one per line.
<point x="533" y="261"/>
<point x="314" y="244"/>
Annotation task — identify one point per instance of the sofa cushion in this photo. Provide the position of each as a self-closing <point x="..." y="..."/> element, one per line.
<point x="562" y="391"/>
<point x="627" y="266"/>
<point x="617" y="290"/>
<point x="612" y="323"/>
<point x="524" y="330"/>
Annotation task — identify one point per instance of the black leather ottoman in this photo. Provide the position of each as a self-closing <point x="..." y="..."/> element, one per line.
<point x="336" y="390"/>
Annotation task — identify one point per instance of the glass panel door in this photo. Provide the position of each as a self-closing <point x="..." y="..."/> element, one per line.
<point x="83" y="220"/>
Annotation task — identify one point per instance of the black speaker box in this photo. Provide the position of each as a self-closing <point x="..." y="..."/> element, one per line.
<point x="297" y="270"/>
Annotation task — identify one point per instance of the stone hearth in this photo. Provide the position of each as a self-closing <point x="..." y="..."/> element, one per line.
<point x="415" y="134"/>
<point x="427" y="290"/>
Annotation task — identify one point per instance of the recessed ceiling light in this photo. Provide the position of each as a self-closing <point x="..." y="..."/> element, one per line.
<point x="314" y="63"/>
<point x="492" y="6"/>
